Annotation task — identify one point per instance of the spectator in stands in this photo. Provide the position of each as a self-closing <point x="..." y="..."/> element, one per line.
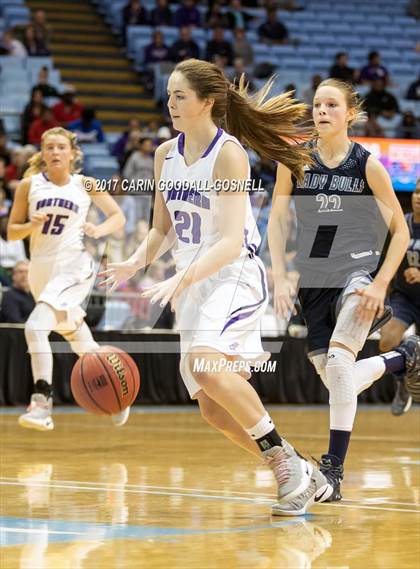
<point x="47" y="89"/>
<point x="12" y="46"/>
<point x="34" y="47"/>
<point x="134" y="14"/>
<point x="16" y="169"/>
<point x="4" y="202"/>
<point x="236" y="16"/>
<point x="371" y="128"/>
<point x="379" y="99"/>
<point x="39" y="126"/>
<point x="140" y="167"/>
<point x="374" y="70"/>
<point x="157" y="50"/>
<point x="413" y="9"/>
<point x="273" y="31"/>
<point x="215" y="17"/>
<point x="219" y="46"/>
<point x="121" y="146"/>
<point x="239" y="70"/>
<point x="309" y="93"/>
<point x="5" y="151"/>
<point x="88" y="128"/>
<point x="185" y="47"/>
<point x="68" y="110"/>
<point x="389" y="120"/>
<point x="409" y="126"/>
<point x="242" y="48"/>
<point x="162" y="14"/>
<point x="10" y="251"/>
<point x="42" y="29"/>
<point x="17" y="303"/>
<point x="340" y="69"/>
<point x="413" y="92"/>
<point x="187" y="15"/>
<point x="32" y="112"/>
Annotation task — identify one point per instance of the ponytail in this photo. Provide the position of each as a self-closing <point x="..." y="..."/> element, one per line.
<point x="270" y="126"/>
<point x="273" y="127"/>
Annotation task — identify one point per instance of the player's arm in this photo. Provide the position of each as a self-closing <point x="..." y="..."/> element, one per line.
<point x="231" y="164"/>
<point x="115" y="218"/>
<point x="373" y="296"/>
<point x="278" y="221"/>
<point x="19" y="227"/>
<point x="159" y="239"/>
<point x="284" y="288"/>
<point x="380" y="183"/>
<point x="161" y="236"/>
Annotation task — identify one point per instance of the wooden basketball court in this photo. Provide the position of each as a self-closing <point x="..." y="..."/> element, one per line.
<point x="166" y="491"/>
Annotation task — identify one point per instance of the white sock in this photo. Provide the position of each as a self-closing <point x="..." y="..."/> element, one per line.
<point x="263" y="427"/>
<point x="367" y="371"/>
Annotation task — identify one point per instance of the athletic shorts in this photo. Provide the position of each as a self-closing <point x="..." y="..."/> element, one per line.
<point x="224" y="312"/>
<point x="404" y="309"/>
<point x="63" y="283"/>
<point x="320" y="308"/>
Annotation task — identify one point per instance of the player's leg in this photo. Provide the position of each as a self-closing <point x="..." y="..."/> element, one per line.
<point x="391" y="336"/>
<point x="299" y="482"/>
<point x="220" y="419"/>
<point x="38" y="327"/>
<point x="347" y="340"/>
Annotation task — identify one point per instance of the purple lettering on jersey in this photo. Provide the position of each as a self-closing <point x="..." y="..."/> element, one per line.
<point x="189" y="195"/>
<point x="57" y="202"/>
<point x="185" y="220"/>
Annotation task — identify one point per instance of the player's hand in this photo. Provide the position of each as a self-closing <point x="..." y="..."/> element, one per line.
<point x="284" y="294"/>
<point x="168" y="291"/>
<point x="412" y="275"/>
<point x="372" y="299"/>
<point x="39" y="218"/>
<point x="92" y="230"/>
<point x="117" y="273"/>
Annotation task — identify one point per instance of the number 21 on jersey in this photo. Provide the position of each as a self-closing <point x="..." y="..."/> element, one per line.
<point x="188" y="227"/>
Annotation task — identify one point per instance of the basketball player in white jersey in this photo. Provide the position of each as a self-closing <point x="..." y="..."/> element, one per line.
<point x="219" y="291"/>
<point x="56" y="200"/>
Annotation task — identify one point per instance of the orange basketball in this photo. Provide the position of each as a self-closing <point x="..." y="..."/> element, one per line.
<point x="105" y="382"/>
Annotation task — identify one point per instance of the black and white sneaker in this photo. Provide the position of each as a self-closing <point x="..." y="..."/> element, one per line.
<point x="410" y="348"/>
<point x="402" y="399"/>
<point x="332" y="468"/>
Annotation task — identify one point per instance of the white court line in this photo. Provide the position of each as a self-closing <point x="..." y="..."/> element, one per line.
<point x="40" y="530"/>
<point x="195" y="495"/>
<point x="116" y="486"/>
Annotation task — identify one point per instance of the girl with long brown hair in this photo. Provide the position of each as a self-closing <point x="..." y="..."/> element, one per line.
<point x="219" y="291"/>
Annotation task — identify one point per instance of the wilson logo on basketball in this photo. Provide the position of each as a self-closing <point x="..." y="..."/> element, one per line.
<point x="115" y="361"/>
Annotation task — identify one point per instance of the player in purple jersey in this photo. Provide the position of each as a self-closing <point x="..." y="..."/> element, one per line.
<point x="219" y="291"/>
<point x="50" y="208"/>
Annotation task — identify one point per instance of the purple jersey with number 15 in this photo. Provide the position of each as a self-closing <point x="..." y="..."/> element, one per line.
<point x="193" y="201"/>
<point x="66" y="208"/>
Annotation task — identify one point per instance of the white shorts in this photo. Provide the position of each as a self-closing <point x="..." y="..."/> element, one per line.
<point x="63" y="282"/>
<point x="224" y="312"/>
